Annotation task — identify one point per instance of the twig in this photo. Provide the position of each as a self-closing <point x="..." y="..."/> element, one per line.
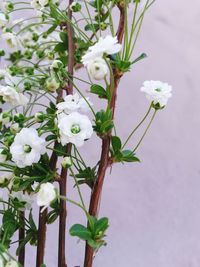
<point x="63" y="180"/>
<point x="104" y="161"/>
<point x="21" y="257"/>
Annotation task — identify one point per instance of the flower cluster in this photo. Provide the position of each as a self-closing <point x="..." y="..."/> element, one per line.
<point x="94" y="58"/>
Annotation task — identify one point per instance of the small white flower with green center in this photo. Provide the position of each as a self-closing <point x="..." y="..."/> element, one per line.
<point x="74" y="128"/>
<point x="10" y="95"/>
<point x="46" y="195"/>
<point x="27" y="147"/>
<point x="73" y="103"/>
<point x="52" y="84"/>
<point x="108" y="45"/>
<point x="3" y="20"/>
<point x="3" y="156"/>
<point x="157" y="92"/>
<point x="97" y="68"/>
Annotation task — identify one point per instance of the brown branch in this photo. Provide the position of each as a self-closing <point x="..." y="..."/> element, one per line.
<point x="104" y="160"/>
<point x="63" y="179"/>
<point x="21" y="257"/>
<point x="41" y="237"/>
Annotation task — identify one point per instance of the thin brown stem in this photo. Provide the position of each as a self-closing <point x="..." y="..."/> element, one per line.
<point x="64" y="173"/>
<point x="21" y="257"/>
<point x="104" y="160"/>
<point x="41" y="237"/>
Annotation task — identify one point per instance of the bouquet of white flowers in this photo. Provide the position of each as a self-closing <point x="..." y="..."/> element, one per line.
<point x="46" y="115"/>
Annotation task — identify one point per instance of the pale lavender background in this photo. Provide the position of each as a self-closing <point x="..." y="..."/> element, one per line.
<point x="154" y="207"/>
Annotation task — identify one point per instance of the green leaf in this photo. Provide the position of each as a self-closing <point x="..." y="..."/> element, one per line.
<point x="129" y="156"/>
<point x="80" y="231"/>
<point x="99" y="90"/>
<point x="52" y="216"/>
<point x="60" y="150"/>
<point x="92" y="27"/>
<point x="61" y="47"/>
<point x="116" y="143"/>
<point x="101" y="225"/>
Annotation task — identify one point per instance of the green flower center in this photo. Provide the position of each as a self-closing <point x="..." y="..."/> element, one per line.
<point x="158" y="90"/>
<point x="27" y="149"/>
<point x="75" y="129"/>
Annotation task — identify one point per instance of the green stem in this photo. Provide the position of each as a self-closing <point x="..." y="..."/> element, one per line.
<point x="135" y="129"/>
<point x="148" y="126"/>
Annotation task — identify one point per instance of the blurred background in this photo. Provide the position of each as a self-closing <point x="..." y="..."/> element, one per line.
<point x="153" y="206"/>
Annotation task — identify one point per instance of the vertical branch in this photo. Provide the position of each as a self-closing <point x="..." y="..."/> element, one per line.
<point x="63" y="180"/>
<point x="41" y="237"/>
<point x="21" y="257"/>
<point x="104" y="160"/>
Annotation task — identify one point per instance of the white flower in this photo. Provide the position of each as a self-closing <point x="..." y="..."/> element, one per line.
<point x="46" y="194"/>
<point x="12" y="40"/>
<point x="52" y="85"/>
<point x="74" y="128"/>
<point x="3" y="20"/>
<point x="12" y="263"/>
<point x="13" y="97"/>
<point x="157" y="92"/>
<point x="3" y="156"/>
<point x="108" y="45"/>
<point x="23" y="197"/>
<point x="97" y="68"/>
<point x="73" y="103"/>
<point x="27" y="147"/>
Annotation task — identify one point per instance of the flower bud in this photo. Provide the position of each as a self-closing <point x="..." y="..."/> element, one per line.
<point x="5" y="118"/>
<point x="66" y="162"/>
<point x="52" y="85"/>
<point x="75" y="6"/>
<point x="46" y="194"/>
<point x="3" y="156"/>
<point x="15" y="128"/>
<point x="57" y="64"/>
<point x="40" y="116"/>
<point x="97" y="68"/>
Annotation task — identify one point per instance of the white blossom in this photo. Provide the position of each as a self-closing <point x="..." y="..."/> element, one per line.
<point x="3" y="20"/>
<point x="27" y="147"/>
<point x="74" y="128"/>
<point x="13" y="97"/>
<point x="97" y="68"/>
<point x="46" y="194"/>
<point x="108" y="45"/>
<point x="73" y="103"/>
<point x="5" y="118"/>
<point x="23" y="197"/>
<point x="157" y="92"/>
